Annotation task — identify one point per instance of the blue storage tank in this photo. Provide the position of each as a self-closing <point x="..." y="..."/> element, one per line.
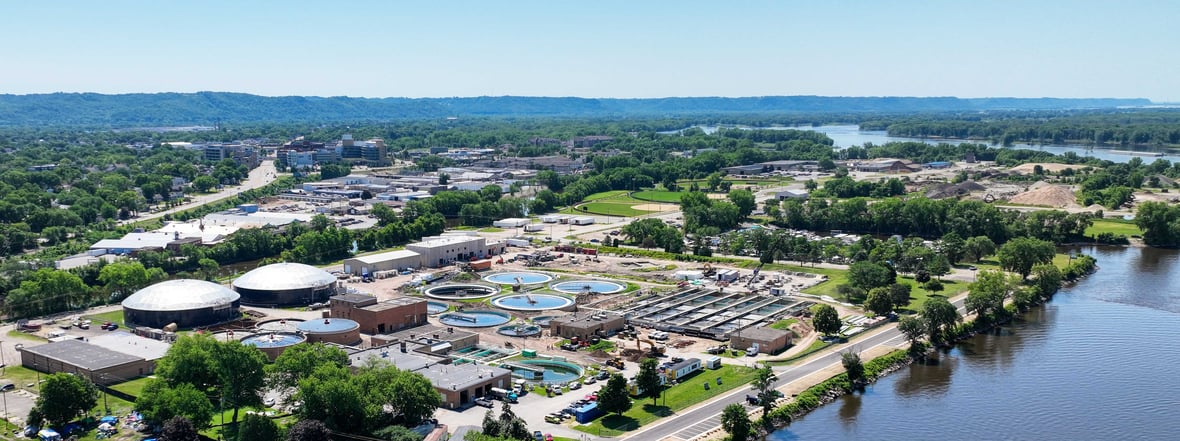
<point x="587" y="413"/>
<point x="249" y="208"/>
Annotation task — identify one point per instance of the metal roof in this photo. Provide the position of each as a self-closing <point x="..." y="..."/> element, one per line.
<point x="81" y="354"/>
<point x="387" y="256"/>
<point x="181" y="295"/>
<point x="284" y="276"/>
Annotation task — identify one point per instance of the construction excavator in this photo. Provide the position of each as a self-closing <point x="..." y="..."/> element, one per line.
<point x="655" y="351"/>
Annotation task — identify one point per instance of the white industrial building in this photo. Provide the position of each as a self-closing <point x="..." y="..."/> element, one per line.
<point x="440" y="250"/>
<point x="585" y="220"/>
<point x="373" y="263"/>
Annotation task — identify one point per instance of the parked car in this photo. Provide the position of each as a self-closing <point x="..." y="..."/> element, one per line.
<point x="602" y="375"/>
<point x="574" y="385"/>
<point x="484" y="402"/>
<point x="537" y="435"/>
<point x="589" y="380"/>
<point x="553" y="419"/>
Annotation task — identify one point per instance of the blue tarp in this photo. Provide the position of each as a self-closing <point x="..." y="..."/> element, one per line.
<point x="49" y="435"/>
<point x="109" y="419"/>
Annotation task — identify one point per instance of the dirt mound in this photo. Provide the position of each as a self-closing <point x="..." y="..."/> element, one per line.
<point x="1057" y="196"/>
<point x="1027" y="169"/>
<point x="939" y="191"/>
<point x="599" y="353"/>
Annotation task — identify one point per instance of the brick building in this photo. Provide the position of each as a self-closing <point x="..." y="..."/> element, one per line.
<point x="379" y="317"/>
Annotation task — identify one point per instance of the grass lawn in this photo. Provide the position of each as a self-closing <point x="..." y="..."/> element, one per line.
<point x="672" y="197"/>
<point x="25" y="336"/>
<point x="1116" y="226"/>
<point x="784" y="324"/>
<point x="605" y="194"/>
<point x="490" y="230"/>
<point x="614" y="207"/>
<point x="20" y="376"/>
<point x="919" y="294"/>
<point x="112" y="316"/>
<point x="133" y="387"/>
<point x="675" y="398"/>
<point x="816" y="346"/>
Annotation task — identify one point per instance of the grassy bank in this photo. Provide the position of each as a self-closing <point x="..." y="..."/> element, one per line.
<point x="814" y="396"/>
<point x="1113" y="226"/>
<point x="678" y="397"/>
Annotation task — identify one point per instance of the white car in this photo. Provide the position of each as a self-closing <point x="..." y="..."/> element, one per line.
<point x="574" y="385"/>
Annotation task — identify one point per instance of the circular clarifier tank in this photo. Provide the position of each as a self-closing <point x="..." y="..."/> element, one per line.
<point x="474" y="319"/>
<point x="279" y="325"/>
<point x="274" y="343"/>
<point x="331" y="330"/>
<point x="519" y="330"/>
<point x="532" y="302"/>
<point x="521" y="277"/>
<point x="589" y="286"/>
<point x="555" y="372"/>
<point x="461" y="292"/>
<point x="436" y="308"/>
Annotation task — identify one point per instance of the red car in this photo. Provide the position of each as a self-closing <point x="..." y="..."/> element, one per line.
<point x="548" y="437"/>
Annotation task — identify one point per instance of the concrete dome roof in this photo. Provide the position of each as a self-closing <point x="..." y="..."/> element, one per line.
<point x="284" y="276"/>
<point x="180" y="295"/>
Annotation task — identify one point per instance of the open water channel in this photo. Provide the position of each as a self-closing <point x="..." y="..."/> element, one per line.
<point x="1097" y="362"/>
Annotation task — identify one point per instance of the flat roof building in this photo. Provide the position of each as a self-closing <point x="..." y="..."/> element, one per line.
<point x="387" y="261"/>
<point x="462" y="384"/>
<point x="441" y="250"/>
<point x="769" y="340"/>
<point x="98" y="364"/>
<point x="431" y="339"/>
<point x="600" y="324"/>
<point x="376" y="317"/>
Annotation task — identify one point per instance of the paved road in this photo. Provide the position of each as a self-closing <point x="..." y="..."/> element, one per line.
<point x="260" y="176"/>
<point x="707" y="417"/>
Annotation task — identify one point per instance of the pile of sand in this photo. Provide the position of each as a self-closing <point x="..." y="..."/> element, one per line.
<point x="1027" y="169"/>
<point x="939" y="191"/>
<point x="1057" y="196"/>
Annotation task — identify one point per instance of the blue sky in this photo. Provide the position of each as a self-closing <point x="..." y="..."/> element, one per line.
<point x="595" y="48"/>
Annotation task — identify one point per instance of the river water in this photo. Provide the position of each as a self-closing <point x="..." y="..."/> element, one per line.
<point x="1094" y="363"/>
<point x="847" y="135"/>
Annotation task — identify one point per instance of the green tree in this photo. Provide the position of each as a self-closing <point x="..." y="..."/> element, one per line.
<point x="613" y="397"/>
<point x="1047" y="278"/>
<point x="1019" y="255"/>
<point x="329" y="395"/>
<point x="648" y="380"/>
<point x="179" y="429"/>
<point x="899" y="293"/>
<point x="914" y="329"/>
<point x="299" y="361"/>
<point x="204" y="183"/>
<point x="123" y="278"/>
<point x="763" y="386"/>
<point x="443" y="178"/>
<point x="309" y="430"/>
<point x="714" y="181"/>
<point x="825" y="319"/>
<point x="736" y="421"/>
<point x="256" y="427"/>
<point x="869" y="275"/>
<point x="979" y="247"/>
<point x="159" y="402"/>
<point x="938" y="314"/>
<point x="397" y="433"/>
<point x="938" y="266"/>
<point x="854" y="367"/>
<point x="810" y="185"/>
<point x="953" y="247"/>
<point x="879" y="301"/>
<point x="240" y="374"/>
<point x="744" y="200"/>
<point x="63" y="397"/>
<point x="491" y="193"/>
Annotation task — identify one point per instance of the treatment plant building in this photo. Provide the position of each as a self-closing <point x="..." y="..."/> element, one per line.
<point x="286" y="284"/>
<point x="186" y="302"/>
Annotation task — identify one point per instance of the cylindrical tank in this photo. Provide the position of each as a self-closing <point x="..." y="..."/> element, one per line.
<point x="331" y="330"/>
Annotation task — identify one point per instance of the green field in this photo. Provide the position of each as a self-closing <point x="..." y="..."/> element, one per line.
<point x="671" y="197"/>
<point x="1115" y="226"/>
<point x="111" y="316"/>
<point x="610" y="203"/>
<point x="680" y="396"/>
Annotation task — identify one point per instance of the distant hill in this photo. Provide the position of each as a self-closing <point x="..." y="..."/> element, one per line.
<point x="206" y="108"/>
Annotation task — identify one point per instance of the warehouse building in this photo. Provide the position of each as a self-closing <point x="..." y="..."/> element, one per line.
<point x="375" y="317"/>
<point x="769" y="340"/>
<point x="461" y="384"/>
<point x="186" y="302"/>
<point x="441" y="250"/>
<point x="101" y="365"/>
<point x="285" y="284"/>
<point x="600" y="324"/>
<point x="388" y="261"/>
<point x="430" y="338"/>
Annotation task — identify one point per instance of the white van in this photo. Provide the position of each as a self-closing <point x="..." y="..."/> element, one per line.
<point x="56" y="334"/>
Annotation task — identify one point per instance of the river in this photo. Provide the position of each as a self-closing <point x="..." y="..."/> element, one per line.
<point x="1094" y="363"/>
<point x="847" y="135"/>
